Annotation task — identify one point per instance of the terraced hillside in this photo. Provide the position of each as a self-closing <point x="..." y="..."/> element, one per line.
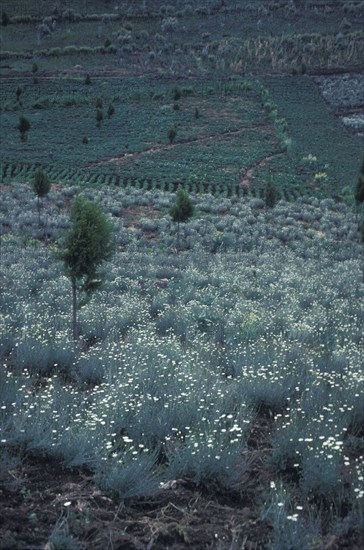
<point x="204" y="387"/>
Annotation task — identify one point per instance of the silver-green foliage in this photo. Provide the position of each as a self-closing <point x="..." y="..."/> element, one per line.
<point x="177" y="353"/>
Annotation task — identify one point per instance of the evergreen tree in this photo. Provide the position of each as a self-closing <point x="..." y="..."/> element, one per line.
<point x="23" y="127"/>
<point x="362" y="240"/>
<point x="271" y="195"/>
<point x="111" y="110"/>
<point x="41" y="186"/>
<point x="172" y="132"/>
<point x="182" y="210"/>
<point x="5" y="19"/>
<point x="359" y="190"/>
<point x="176" y="93"/>
<point x="18" y="93"/>
<point x="34" y="71"/>
<point x="99" y="117"/>
<point x="87" y="245"/>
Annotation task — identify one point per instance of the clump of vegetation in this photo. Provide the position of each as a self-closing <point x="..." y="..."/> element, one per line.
<point x="176" y="93"/>
<point x="271" y="194"/>
<point x="18" y="93"/>
<point x="99" y="117"/>
<point x="34" y="71"/>
<point x="182" y="210"/>
<point x="5" y="19"/>
<point x="41" y="187"/>
<point x="359" y="189"/>
<point x="110" y="110"/>
<point x="23" y="127"/>
<point x="172" y="134"/>
<point x="86" y="246"/>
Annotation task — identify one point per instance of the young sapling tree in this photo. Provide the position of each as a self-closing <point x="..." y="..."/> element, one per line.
<point x="23" y="127"/>
<point x="362" y="241"/>
<point x="111" y="110"/>
<point x="18" y="93"/>
<point x="5" y="19"/>
<point x="34" y="71"/>
<point x="359" y="189"/>
<point x="182" y="210"/>
<point x="172" y="133"/>
<point x="99" y="117"/>
<point x="41" y="187"/>
<point x="271" y="195"/>
<point x="87" y="245"/>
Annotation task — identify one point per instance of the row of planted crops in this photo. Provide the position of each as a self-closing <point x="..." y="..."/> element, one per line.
<point x="222" y="133"/>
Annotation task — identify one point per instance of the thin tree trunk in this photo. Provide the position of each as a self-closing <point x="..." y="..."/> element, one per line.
<point x="74" y="310"/>
<point x="38" y="211"/>
<point x="177" y="237"/>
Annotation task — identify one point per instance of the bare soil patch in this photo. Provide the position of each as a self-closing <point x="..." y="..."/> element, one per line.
<point x="247" y="177"/>
<point x="42" y="497"/>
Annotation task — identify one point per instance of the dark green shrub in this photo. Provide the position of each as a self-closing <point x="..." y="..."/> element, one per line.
<point x="34" y="71"/>
<point x="176" y="93"/>
<point x="99" y="117"/>
<point x="23" y="127"/>
<point x="182" y="210"/>
<point x="18" y="93"/>
<point x="41" y="186"/>
<point x="271" y="195"/>
<point x="5" y="19"/>
<point x="359" y="189"/>
<point x="111" y="110"/>
<point x="87" y="244"/>
<point x="172" y="133"/>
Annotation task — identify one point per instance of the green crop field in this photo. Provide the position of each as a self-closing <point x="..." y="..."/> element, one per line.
<point x="223" y="132"/>
<point x="202" y="385"/>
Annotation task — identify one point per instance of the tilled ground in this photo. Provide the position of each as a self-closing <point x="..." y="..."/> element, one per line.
<point x="179" y="517"/>
<point x="40" y="497"/>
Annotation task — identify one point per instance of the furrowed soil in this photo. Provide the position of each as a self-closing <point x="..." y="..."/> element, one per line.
<point x="42" y="497"/>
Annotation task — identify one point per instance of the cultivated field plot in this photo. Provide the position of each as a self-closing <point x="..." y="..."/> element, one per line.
<point x="222" y="386"/>
<point x="183" y="39"/>
<point x="222" y="130"/>
<point x="231" y="137"/>
<point x="345" y="96"/>
<point x="319" y="142"/>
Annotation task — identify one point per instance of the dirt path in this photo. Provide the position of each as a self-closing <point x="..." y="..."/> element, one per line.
<point x="169" y="146"/>
<point x="248" y="173"/>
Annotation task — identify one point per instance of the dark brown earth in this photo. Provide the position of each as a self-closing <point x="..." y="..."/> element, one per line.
<point x="178" y="517"/>
<point x="42" y="496"/>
